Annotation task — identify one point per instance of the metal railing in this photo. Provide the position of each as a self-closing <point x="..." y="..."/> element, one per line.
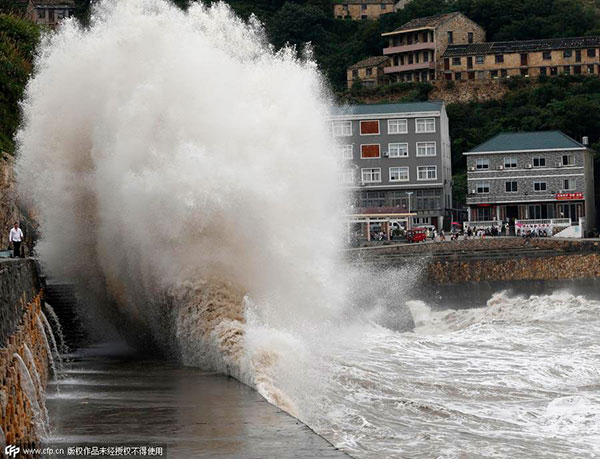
<point x="483" y="224"/>
<point x="546" y="221"/>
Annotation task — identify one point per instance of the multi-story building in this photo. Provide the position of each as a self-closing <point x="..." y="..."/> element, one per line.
<point x="533" y="176"/>
<point x="534" y="58"/>
<point x="369" y="71"/>
<point x="416" y="48"/>
<point x="362" y="9"/>
<point x="48" y="12"/>
<point x="397" y="158"/>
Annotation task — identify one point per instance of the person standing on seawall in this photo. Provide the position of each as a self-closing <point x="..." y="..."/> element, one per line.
<point x="16" y="237"/>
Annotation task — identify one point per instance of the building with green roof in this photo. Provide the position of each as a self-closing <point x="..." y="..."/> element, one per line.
<point x="531" y="178"/>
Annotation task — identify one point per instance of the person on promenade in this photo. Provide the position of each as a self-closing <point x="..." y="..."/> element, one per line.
<point x="16" y="237"/>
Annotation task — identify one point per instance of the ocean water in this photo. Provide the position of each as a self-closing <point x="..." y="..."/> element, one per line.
<point x="517" y="377"/>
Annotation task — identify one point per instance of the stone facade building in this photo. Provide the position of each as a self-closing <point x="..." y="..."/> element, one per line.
<point x="531" y="58"/>
<point x="362" y="9"/>
<point x="369" y="71"/>
<point x="397" y="158"/>
<point x="416" y="48"/>
<point x="534" y="176"/>
<point x="48" y="12"/>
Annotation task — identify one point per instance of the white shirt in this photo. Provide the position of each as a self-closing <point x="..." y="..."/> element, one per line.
<point x="16" y="235"/>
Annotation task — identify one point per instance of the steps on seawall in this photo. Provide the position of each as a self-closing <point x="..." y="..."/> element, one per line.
<point x="63" y="300"/>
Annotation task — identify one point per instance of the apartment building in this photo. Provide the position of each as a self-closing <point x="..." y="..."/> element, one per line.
<point x="362" y="9"/>
<point x="396" y="158"/>
<point x="369" y="71"/>
<point x="531" y="58"/>
<point x="48" y="12"/>
<point x="534" y="176"/>
<point x="416" y="48"/>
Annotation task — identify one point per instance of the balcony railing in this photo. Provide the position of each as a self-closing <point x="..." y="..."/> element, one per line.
<point x="408" y="48"/>
<point x="410" y="67"/>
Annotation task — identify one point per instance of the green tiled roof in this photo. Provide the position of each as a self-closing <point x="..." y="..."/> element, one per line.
<point x="519" y="141"/>
<point x="382" y="109"/>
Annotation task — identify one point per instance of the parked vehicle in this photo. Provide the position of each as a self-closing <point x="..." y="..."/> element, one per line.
<point x="416" y="235"/>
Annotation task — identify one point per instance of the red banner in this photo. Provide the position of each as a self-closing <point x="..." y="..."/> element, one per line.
<point x="568" y="196"/>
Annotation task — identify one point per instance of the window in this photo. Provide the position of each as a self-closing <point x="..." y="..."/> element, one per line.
<point x="590" y="68"/>
<point x="483" y="187"/>
<point x="539" y="186"/>
<point x="547" y="55"/>
<point x="456" y="61"/>
<point x="568" y="160"/>
<point x="543" y="71"/>
<point x="479" y="59"/>
<point x="470" y="37"/>
<point x="346" y="177"/>
<point x="539" y="161"/>
<point x="398" y="150"/>
<point x="426" y="149"/>
<point x="363" y="17"/>
<point x="457" y="76"/>
<point x="567" y="70"/>
<point x="428" y="200"/>
<point x="510" y="163"/>
<point x="427" y="173"/>
<point x="369" y="127"/>
<point x="342" y="128"/>
<point x="569" y="184"/>
<point x="398" y="174"/>
<point x="369" y="71"/>
<point x="553" y="70"/>
<point x="364" y="7"/>
<point x="503" y="73"/>
<point x="524" y="72"/>
<point x="577" y="69"/>
<point x="371" y="175"/>
<point x="345" y="151"/>
<point x="482" y="164"/>
<point x="499" y="58"/>
<point x="425" y="125"/>
<point x="369" y="151"/>
<point x="450" y="37"/>
<point x="511" y="187"/>
<point x="372" y="199"/>
<point x="355" y="73"/>
<point x="41" y="13"/>
<point x="494" y="73"/>
<point x="397" y="126"/>
<point x="567" y="53"/>
<point x="383" y="6"/>
<point x="591" y="53"/>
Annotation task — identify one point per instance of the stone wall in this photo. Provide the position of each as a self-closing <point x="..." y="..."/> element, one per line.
<point x="574" y="266"/>
<point x="24" y="356"/>
<point x="468" y="91"/>
<point x="19" y="284"/>
<point x="493" y="259"/>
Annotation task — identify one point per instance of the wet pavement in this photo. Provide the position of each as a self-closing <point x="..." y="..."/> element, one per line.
<point x="108" y="396"/>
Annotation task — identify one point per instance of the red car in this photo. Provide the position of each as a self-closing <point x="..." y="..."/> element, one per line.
<point x="416" y="235"/>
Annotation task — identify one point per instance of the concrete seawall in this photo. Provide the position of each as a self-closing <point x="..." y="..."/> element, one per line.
<point x="24" y="355"/>
<point x="492" y="259"/>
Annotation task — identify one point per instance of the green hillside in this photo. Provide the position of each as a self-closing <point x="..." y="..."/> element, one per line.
<point x="18" y="39"/>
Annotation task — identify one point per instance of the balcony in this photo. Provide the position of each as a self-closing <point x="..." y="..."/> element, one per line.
<point x="409" y="48"/>
<point x="410" y="67"/>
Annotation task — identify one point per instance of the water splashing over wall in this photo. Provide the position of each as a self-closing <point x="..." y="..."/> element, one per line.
<point x="187" y="175"/>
